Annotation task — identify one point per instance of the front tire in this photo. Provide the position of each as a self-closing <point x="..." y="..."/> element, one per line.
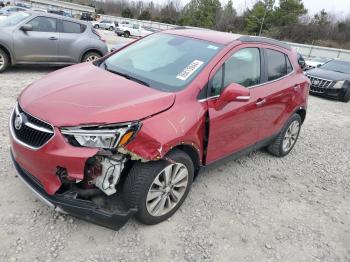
<point x="287" y="138"/>
<point x="4" y="61"/>
<point x="127" y="34"/>
<point x="346" y="97"/>
<point x="96" y="26"/>
<point x="158" y="189"/>
<point x="111" y="28"/>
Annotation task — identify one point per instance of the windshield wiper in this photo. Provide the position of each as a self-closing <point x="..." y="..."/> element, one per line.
<point x="129" y="77"/>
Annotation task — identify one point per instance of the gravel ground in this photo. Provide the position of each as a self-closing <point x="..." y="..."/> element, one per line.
<point x="257" y="208"/>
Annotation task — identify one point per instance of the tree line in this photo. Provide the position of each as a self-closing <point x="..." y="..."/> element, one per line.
<point x="287" y="20"/>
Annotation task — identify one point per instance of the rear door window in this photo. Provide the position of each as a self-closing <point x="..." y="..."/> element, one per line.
<point x="72" y="28"/>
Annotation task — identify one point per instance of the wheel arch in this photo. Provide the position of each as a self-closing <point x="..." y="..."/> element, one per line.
<point x="7" y="51"/>
<point x="301" y="111"/>
<point x="192" y="152"/>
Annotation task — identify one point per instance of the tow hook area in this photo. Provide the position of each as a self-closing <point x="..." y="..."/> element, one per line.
<point x="104" y="172"/>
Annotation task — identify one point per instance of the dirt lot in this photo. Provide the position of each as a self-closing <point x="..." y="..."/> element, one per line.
<point x="257" y="208"/>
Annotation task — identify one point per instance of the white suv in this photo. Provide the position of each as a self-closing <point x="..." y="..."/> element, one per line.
<point x="104" y="24"/>
<point x="128" y="30"/>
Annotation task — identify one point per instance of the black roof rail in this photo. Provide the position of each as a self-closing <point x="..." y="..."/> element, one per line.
<point x="264" y="40"/>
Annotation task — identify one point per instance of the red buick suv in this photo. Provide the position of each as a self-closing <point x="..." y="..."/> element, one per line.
<point x="127" y="134"/>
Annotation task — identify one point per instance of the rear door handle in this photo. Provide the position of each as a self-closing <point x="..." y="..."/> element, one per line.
<point x="260" y="101"/>
<point x="53" y="38"/>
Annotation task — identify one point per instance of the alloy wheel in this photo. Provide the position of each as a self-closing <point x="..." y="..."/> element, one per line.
<point x="291" y="136"/>
<point x="92" y="58"/>
<point x="2" y="61"/>
<point x="167" y="189"/>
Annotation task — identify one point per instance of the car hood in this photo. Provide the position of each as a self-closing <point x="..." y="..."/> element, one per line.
<point x="85" y="94"/>
<point x="327" y="74"/>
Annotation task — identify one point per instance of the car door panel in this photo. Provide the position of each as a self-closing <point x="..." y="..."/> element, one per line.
<point x="37" y="46"/>
<point x="235" y="126"/>
<point x="71" y="41"/>
<point x="232" y="129"/>
<point x="278" y="95"/>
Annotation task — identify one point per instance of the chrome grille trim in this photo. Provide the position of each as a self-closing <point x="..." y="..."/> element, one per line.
<point x="319" y="85"/>
<point x="43" y="133"/>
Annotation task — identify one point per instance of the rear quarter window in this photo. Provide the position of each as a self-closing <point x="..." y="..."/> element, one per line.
<point x="72" y="28"/>
<point x="278" y="64"/>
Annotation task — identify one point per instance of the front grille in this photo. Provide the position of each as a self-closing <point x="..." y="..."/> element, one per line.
<point x="318" y="85"/>
<point x="30" y="130"/>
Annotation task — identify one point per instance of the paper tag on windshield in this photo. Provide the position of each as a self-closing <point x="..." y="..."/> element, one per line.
<point x="189" y="70"/>
<point x="212" y="47"/>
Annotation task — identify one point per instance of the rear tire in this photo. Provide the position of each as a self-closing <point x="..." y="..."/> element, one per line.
<point x="346" y="97"/>
<point x="96" y="26"/>
<point x="127" y="34"/>
<point x="4" y="61"/>
<point x="90" y="57"/>
<point x="111" y="28"/>
<point x="146" y="187"/>
<point x="287" y="138"/>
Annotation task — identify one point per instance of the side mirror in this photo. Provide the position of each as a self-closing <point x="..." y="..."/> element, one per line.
<point x="233" y="92"/>
<point x="26" y="28"/>
<point x="301" y="62"/>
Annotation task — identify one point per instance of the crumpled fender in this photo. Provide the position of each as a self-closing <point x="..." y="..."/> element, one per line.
<point x="182" y="124"/>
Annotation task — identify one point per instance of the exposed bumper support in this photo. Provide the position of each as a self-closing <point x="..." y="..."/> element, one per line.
<point x="83" y="209"/>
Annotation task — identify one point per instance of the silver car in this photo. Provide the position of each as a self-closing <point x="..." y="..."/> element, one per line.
<point x="38" y="38"/>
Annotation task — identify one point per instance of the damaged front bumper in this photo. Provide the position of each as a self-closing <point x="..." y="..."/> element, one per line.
<point x="80" y="208"/>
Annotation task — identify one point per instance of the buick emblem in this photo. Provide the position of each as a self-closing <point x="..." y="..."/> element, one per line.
<point x="18" y="122"/>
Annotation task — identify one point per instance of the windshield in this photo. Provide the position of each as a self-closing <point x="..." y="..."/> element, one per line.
<point x="13" y="19"/>
<point x="338" y="66"/>
<point x="161" y="61"/>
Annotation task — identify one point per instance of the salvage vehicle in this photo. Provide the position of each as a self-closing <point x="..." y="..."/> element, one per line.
<point x="331" y="80"/>
<point x="127" y="134"/>
<point x="42" y="38"/>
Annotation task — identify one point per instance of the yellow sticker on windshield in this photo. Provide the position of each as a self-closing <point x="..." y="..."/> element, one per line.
<point x="189" y="70"/>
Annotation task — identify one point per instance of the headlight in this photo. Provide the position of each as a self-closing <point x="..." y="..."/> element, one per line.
<point x="105" y="136"/>
<point x="338" y="84"/>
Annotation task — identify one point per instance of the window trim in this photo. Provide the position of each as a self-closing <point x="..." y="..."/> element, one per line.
<point x="57" y="23"/>
<point x="60" y="27"/>
<point x="223" y="71"/>
<point x="267" y="60"/>
<point x="264" y="75"/>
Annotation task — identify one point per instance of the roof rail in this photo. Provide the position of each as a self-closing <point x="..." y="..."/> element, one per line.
<point x="264" y="40"/>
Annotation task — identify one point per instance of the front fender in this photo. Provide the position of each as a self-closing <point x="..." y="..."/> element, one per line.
<point x="181" y="125"/>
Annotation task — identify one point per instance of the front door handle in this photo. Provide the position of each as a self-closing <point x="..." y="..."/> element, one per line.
<point x="260" y="101"/>
<point x="53" y="38"/>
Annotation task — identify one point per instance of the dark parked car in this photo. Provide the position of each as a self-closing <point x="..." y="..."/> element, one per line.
<point x="41" y="38"/>
<point x="331" y="80"/>
<point x="128" y="133"/>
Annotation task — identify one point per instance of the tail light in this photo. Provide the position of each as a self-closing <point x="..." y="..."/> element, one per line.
<point x="98" y="35"/>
